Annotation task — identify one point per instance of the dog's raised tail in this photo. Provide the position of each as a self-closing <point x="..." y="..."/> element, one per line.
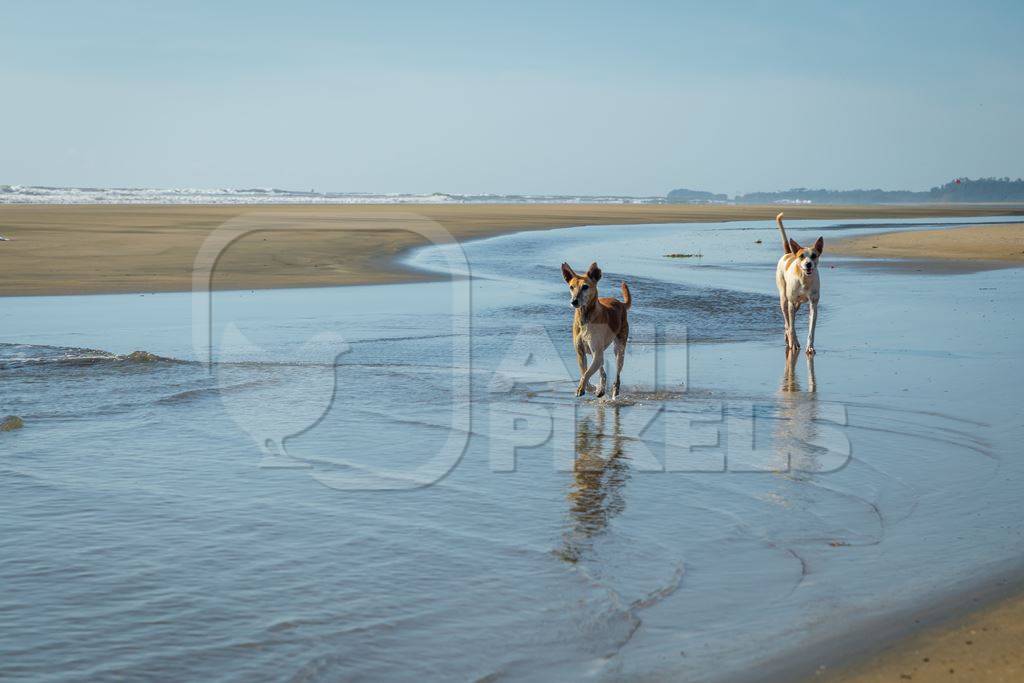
<point x="785" y="240"/>
<point x="627" y="298"/>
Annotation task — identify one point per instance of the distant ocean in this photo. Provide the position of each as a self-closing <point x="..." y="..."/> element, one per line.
<point x="39" y="194"/>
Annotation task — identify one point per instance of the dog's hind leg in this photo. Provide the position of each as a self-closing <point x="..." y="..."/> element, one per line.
<point x="620" y="357"/>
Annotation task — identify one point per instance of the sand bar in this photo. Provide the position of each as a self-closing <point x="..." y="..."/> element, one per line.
<point x="65" y="249"/>
<point x="1003" y="242"/>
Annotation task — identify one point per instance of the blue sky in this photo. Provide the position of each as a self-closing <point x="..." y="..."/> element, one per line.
<point x="533" y="97"/>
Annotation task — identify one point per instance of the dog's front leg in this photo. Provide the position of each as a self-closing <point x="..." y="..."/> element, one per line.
<point x="581" y="360"/>
<point x="787" y="320"/>
<point x="595" y="365"/>
<point x="793" y="343"/>
<point x="811" y="324"/>
<point x="603" y="374"/>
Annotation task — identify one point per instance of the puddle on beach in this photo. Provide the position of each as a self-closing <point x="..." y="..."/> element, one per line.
<point x="354" y="483"/>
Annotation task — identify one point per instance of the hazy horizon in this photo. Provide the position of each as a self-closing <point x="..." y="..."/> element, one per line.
<point x="580" y="99"/>
<point x="329" y="192"/>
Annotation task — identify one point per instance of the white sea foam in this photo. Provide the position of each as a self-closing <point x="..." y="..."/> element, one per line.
<point x="38" y="194"/>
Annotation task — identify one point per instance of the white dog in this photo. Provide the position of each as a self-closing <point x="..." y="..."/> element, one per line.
<point x="797" y="279"/>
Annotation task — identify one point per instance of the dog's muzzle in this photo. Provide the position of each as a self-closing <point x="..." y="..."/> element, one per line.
<point x="575" y="303"/>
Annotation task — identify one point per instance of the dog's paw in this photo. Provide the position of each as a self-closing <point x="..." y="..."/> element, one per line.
<point x="810" y="350"/>
<point x="580" y="391"/>
<point x="600" y="392"/>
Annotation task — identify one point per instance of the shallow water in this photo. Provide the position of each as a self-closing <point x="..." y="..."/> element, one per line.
<point x="396" y="482"/>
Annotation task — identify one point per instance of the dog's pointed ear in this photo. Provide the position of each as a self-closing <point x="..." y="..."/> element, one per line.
<point x="567" y="272"/>
<point x="594" y="273"/>
<point x="793" y="246"/>
<point x="819" y="245"/>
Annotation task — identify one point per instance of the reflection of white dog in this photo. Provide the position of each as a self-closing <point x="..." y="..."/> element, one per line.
<point x="797" y="279"/>
<point x="3" y="239"/>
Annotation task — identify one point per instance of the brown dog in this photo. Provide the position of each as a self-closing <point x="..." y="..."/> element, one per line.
<point x="596" y="323"/>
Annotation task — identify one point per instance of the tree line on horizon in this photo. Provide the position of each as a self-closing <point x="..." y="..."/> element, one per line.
<point x="959" y="190"/>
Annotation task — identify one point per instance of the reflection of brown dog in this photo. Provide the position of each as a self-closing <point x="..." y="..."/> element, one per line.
<point x="599" y="476"/>
<point x="796" y="276"/>
<point x="596" y="323"/>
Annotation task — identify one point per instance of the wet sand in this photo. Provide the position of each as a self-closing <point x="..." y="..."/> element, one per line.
<point x="131" y="248"/>
<point x="996" y="243"/>
<point x="985" y="647"/>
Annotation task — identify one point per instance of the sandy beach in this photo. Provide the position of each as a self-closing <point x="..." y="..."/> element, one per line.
<point x="996" y="243"/>
<point x="119" y="248"/>
<point x="983" y="647"/>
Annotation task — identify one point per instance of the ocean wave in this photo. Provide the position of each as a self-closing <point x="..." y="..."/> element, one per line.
<point x="14" y="356"/>
<point x="43" y="194"/>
